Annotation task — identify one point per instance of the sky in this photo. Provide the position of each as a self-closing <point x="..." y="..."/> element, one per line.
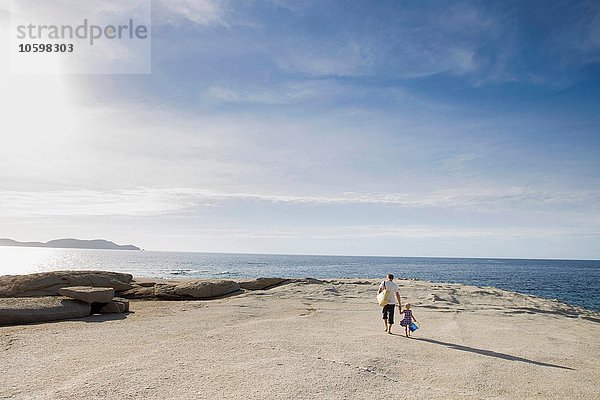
<point x="400" y="128"/>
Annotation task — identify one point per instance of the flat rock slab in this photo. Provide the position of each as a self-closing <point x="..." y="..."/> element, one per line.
<point x="48" y="283"/>
<point x="25" y="310"/>
<point x="89" y="294"/>
<point x="183" y="290"/>
<point x="196" y="288"/>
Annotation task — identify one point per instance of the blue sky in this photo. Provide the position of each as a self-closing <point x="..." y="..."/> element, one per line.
<point x="372" y="128"/>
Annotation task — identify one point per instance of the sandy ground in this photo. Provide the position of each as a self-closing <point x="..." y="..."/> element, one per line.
<point x="312" y="341"/>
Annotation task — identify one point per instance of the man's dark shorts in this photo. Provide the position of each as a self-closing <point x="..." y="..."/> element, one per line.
<point x="388" y="313"/>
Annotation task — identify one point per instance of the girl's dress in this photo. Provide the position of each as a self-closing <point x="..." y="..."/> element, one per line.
<point x="407" y="318"/>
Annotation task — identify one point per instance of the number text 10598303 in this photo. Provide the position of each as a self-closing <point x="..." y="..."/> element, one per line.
<point x="45" y="48"/>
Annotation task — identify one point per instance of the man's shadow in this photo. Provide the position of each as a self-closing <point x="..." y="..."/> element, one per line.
<point x="490" y="353"/>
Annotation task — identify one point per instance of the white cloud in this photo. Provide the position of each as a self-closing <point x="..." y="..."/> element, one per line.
<point x="220" y="94"/>
<point x="318" y="58"/>
<point x="156" y="201"/>
<point x="89" y="203"/>
<point x="200" y="12"/>
<point x="278" y="94"/>
<point x="444" y="40"/>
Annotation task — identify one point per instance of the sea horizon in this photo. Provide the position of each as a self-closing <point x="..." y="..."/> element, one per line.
<point x="327" y="255"/>
<point x="369" y="255"/>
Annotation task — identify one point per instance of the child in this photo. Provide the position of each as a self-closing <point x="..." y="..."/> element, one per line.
<point x="406" y="321"/>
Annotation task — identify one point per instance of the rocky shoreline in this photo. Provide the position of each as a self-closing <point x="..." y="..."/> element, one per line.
<point x="59" y="295"/>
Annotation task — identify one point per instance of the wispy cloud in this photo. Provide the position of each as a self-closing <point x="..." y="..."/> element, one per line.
<point x="446" y="40"/>
<point x="294" y="92"/>
<point x="350" y="58"/>
<point x="199" y="12"/>
<point x="221" y="94"/>
<point x="156" y="201"/>
<point x="89" y="203"/>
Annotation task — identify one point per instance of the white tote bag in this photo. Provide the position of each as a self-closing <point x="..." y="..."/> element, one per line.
<point x="383" y="298"/>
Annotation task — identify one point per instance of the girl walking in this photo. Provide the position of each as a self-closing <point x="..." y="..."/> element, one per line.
<point x="407" y="320"/>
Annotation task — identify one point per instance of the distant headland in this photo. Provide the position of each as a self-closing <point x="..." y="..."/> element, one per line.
<point x="100" y="244"/>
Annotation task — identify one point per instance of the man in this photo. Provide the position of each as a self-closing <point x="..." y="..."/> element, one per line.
<point x="388" y="309"/>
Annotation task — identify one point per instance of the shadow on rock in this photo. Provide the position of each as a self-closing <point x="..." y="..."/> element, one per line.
<point x="491" y="353"/>
<point x="105" y="317"/>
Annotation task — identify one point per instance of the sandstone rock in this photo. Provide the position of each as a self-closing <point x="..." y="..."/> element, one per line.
<point x="262" y="283"/>
<point x="48" y="283"/>
<point x="117" y="305"/>
<point x="16" y="311"/>
<point x="182" y="290"/>
<point x="138" y="292"/>
<point x="88" y="294"/>
<point x="195" y="289"/>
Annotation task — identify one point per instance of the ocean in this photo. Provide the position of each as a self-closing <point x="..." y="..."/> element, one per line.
<point x="572" y="281"/>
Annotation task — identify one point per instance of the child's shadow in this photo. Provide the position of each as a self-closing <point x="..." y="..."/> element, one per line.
<point x="490" y="353"/>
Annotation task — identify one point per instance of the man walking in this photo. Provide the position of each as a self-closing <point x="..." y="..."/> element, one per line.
<point x="388" y="309"/>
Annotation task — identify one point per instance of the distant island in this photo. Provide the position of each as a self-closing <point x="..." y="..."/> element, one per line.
<point x="71" y="244"/>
